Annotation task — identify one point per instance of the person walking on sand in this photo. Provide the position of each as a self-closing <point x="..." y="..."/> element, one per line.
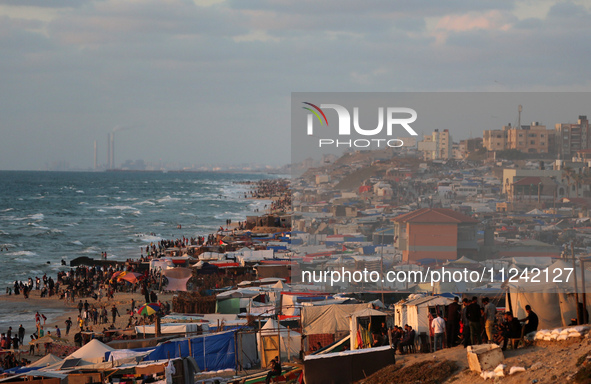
<point x="115" y="313"/>
<point x="68" y="325"/>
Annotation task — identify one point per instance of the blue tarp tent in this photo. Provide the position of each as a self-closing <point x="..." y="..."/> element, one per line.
<point x="212" y="352"/>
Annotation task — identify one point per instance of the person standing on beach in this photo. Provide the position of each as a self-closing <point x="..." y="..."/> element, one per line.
<point x="58" y="332"/>
<point x="21" y="334"/>
<point x="115" y="313"/>
<point x="80" y="306"/>
<point x="68" y="325"/>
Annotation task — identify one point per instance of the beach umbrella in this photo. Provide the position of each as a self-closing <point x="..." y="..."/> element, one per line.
<point x="148" y="309"/>
<point x="132" y="277"/>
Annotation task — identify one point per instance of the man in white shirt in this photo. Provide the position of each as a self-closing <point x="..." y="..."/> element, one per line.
<point x="438" y="326"/>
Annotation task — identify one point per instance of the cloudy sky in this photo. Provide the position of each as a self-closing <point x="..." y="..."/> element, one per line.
<point x="209" y="81"/>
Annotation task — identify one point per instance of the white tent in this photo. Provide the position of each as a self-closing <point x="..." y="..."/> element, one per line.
<point x="417" y="311"/>
<point x="554" y="303"/>
<point x="177" y="278"/>
<point x="92" y="352"/>
<point x="354" y="322"/>
<point x="45" y="361"/>
<point x="290" y="345"/>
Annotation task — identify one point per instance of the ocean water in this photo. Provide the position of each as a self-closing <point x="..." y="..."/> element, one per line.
<point x="49" y="216"/>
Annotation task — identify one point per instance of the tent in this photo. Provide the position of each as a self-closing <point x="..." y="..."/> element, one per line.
<point x="177" y="278"/>
<point x="417" y="311"/>
<point x="212" y="352"/>
<point x="554" y="303"/>
<point x="290" y="346"/>
<point x="328" y="318"/>
<point x="356" y="329"/>
<point x="93" y="352"/>
<point x="46" y="360"/>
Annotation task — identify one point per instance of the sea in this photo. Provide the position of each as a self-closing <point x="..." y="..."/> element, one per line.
<point x="47" y="217"/>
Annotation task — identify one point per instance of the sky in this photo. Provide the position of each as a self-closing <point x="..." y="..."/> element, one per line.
<point x="210" y="81"/>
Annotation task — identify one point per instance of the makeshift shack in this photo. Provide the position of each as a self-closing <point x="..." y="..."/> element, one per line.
<point x="363" y="324"/>
<point x="269" y="347"/>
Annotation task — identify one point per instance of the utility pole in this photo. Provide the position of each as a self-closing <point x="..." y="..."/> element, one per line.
<point x="572" y="248"/>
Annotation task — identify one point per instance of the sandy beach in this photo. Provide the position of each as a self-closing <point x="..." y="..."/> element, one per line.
<point x="57" y="312"/>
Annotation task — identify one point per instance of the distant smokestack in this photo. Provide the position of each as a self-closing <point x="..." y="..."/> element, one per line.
<point x="112" y="150"/>
<point x="95" y="155"/>
<point x="109" y="150"/>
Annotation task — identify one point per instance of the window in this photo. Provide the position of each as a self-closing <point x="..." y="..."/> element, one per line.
<point x="532" y="142"/>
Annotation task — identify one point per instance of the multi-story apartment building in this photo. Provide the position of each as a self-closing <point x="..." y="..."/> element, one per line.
<point x="571" y="138"/>
<point x="437" y="145"/>
<point x="534" y="138"/>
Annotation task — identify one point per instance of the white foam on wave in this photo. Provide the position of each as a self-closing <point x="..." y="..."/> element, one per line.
<point x="101" y="210"/>
<point x="82" y="203"/>
<point x="7" y="210"/>
<point x="4" y="232"/>
<point x="121" y="207"/>
<point x="92" y="249"/>
<point x="37" y="216"/>
<point x="38" y="226"/>
<point x="145" y="202"/>
<point x="76" y="242"/>
<point x="116" y="217"/>
<point x="71" y="224"/>
<point x="21" y="253"/>
<point x="167" y="199"/>
<point x="79" y="191"/>
<point x="148" y="238"/>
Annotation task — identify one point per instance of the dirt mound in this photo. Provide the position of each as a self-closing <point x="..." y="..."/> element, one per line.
<point x="425" y="372"/>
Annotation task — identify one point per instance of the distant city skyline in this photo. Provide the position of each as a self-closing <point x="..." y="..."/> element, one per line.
<point x="210" y="81"/>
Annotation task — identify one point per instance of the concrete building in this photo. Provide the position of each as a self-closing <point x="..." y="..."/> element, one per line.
<point x="533" y="138"/>
<point x="571" y="138"/>
<point x="437" y="146"/>
<point x="435" y="233"/>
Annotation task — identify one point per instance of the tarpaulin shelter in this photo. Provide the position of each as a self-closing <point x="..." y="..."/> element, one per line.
<point x="554" y="303"/>
<point x="169" y="328"/>
<point x="373" y="318"/>
<point x="212" y="352"/>
<point x="235" y="301"/>
<point x="177" y="278"/>
<point x="417" y="312"/>
<point x="328" y="318"/>
<point x="267" y="340"/>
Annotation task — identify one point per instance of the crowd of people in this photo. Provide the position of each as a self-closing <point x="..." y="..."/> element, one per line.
<point x="472" y="323"/>
<point x="468" y="323"/>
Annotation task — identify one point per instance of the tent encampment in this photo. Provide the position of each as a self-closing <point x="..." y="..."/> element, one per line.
<point x="290" y="345"/>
